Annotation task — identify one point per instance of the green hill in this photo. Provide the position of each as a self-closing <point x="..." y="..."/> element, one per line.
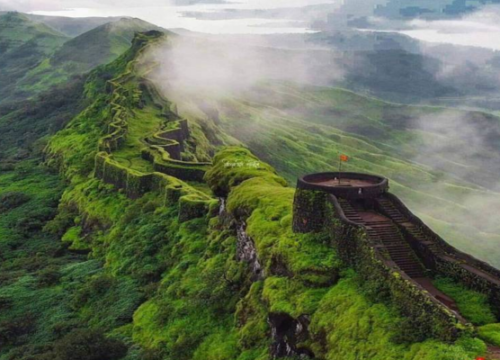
<point x="35" y="56"/>
<point x="50" y="78"/>
<point x="17" y="30"/>
<point x="100" y="45"/>
<point x="23" y="45"/>
<point x="84" y="52"/>
<point x="72" y="26"/>
<point x="111" y="249"/>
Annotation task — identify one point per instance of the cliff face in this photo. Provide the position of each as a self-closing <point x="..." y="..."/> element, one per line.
<point x="161" y="265"/>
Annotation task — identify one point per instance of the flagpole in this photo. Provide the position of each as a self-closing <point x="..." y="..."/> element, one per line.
<point x="340" y="167"/>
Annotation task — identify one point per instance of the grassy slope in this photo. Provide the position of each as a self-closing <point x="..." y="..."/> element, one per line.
<point x="36" y="274"/>
<point x="35" y="57"/>
<point x="24" y="44"/>
<point x="84" y="52"/>
<point x="25" y="125"/>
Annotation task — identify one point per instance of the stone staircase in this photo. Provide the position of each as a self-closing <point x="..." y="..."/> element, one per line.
<point x="382" y="230"/>
<point x="385" y="232"/>
<point x="388" y="207"/>
<point x="349" y="212"/>
<point x="390" y="210"/>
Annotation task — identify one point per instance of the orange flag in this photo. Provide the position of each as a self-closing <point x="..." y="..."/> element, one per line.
<point x="344" y="158"/>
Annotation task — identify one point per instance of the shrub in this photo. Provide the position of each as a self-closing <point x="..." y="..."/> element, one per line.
<point x="5" y="303"/>
<point x="48" y="276"/>
<point x="88" y="345"/>
<point x="34" y="220"/>
<point x="95" y="288"/>
<point x="490" y="333"/>
<point x="472" y="305"/>
<point x="471" y="344"/>
<point x="12" y="330"/>
<point x="12" y="199"/>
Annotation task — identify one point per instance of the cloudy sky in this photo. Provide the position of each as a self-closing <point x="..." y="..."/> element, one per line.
<point x="480" y="28"/>
<point x="172" y="13"/>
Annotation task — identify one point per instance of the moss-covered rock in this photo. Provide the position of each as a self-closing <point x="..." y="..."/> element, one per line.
<point x="234" y="165"/>
<point x="192" y="207"/>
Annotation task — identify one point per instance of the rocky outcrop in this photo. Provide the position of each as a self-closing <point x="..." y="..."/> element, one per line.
<point x="246" y="252"/>
<point x="288" y="334"/>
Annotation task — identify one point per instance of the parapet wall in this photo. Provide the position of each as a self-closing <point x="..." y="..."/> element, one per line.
<point x="378" y="185"/>
<point x="121" y="101"/>
<point x="164" y="149"/>
<point x="191" y="202"/>
<point x="308" y="210"/>
<point x="134" y="184"/>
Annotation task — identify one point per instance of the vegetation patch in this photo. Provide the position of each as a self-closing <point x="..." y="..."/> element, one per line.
<point x="347" y="325"/>
<point x="490" y="333"/>
<point x="472" y="305"/>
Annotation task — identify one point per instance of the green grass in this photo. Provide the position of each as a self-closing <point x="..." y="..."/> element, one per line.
<point x="354" y="328"/>
<point x="37" y="276"/>
<point x="472" y="305"/>
<point x="257" y="194"/>
<point x="490" y="333"/>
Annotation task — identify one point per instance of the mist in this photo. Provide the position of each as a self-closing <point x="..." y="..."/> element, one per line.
<point x="479" y="29"/>
<point x="234" y="65"/>
<point x="465" y="146"/>
<point x="460" y="148"/>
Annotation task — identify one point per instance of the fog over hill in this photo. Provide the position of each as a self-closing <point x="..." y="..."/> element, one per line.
<point x="284" y="84"/>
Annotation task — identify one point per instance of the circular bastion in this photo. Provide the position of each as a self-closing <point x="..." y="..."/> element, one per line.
<point x="345" y="184"/>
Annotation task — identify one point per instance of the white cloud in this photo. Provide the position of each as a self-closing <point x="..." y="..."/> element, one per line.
<point x="171" y="13"/>
<point x="229" y="66"/>
<point x="480" y="29"/>
<point x="457" y="143"/>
